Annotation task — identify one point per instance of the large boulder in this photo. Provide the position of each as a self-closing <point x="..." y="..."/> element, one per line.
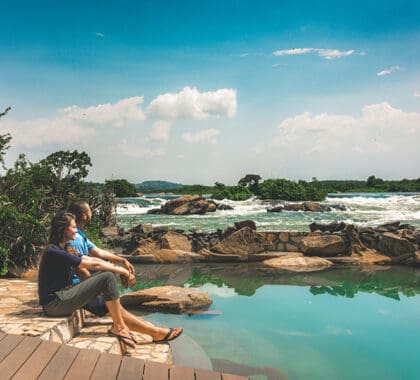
<point x="146" y="247"/>
<point x="186" y="205"/>
<point x="322" y="245"/>
<point x="174" y="240"/>
<point x="296" y="262"/>
<point x="168" y="299"/>
<point x="392" y="245"/>
<point x="244" y="242"/>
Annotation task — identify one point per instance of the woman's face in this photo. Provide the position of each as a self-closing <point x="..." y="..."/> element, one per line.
<point x="70" y="232"/>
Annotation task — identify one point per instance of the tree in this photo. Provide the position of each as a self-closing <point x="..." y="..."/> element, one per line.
<point x="251" y="181"/>
<point x="4" y="140"/>
<point x="121" y="188"/>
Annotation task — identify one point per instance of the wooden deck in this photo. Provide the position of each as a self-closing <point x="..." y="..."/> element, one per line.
<point x="27" y="358"/>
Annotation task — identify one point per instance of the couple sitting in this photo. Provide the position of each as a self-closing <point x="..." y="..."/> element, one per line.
<point x="60" y="293"/>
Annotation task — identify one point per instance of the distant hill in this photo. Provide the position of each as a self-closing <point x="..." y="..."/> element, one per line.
<point x="148" y="186"/>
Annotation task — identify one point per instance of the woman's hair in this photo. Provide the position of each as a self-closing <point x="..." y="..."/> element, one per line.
<point x="58" y="224"/>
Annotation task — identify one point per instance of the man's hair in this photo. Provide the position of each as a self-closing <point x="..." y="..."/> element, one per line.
<point x="78" y="209"/>
<point x="58" y="224"/>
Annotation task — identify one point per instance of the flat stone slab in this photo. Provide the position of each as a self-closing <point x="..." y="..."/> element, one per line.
<point x="296" y="262"/>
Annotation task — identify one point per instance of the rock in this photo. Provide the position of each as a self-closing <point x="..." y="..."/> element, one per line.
<point x="144" y="229"/>
<point x="169" y="299"/>
<point x="174" y="240"/>
<point x="221" y="206"/>
<point x="276" y="209"/>
<point x="243" y="242"/>
<point x="245" y="223"/>
<point x="110" y="231"/>
<point x="324" y="227"/>
<point x="305" y="206"/>
<point x="186" y="205"/>
<point x="222" y="257"/>
<point x="296" y="262"/>
<point x="145" y="247"/>
<point x="172" y="256"/>
<point x="371" y="256"/>
<point x="322" y="245"/>
<point x="392" y="245"/>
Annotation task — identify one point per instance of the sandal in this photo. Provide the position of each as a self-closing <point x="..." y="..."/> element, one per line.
<point x="171" y="335"/>
<point x="128" y="340"/>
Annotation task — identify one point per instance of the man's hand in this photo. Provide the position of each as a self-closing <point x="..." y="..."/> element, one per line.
<point x="129" y="266"/>
<point x="128" y="282"/>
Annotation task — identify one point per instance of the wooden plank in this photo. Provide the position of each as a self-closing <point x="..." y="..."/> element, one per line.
<point x="83" y="365"/>
<point x="60" y="363"/>
<point x="8" y="344"/>
<point x="106" y="367"/>
<point x="228" y="376"/>
<point x="155" y="371"/>
<point x="131" y="368"/>
<point x="181" y="373"/>
<point x="38" y="361"/>
<point x="203" y="374"/>
<point x="18" y="356"/>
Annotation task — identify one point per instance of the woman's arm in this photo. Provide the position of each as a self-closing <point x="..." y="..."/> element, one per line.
<point x="93" y="263"/>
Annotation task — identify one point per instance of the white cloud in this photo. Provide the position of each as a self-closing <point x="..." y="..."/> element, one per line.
<point x="191" y="104"/>
<point x="208" y="134"/>
<point x="160" y="131"/>
<point x="136" y="151"/>
<point x="325" y="53"/>
<point x="117" y="114"/>
<point x="388" y="71"/>
<point x="99" y="34"/>
<point x="416" y="93"/>
<point x="383" y="139"/>
<point x="75" y="124"/>
<point x="39" y="132"/>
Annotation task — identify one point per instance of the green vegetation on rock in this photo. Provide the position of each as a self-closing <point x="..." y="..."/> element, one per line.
<point x="121" y="188"/>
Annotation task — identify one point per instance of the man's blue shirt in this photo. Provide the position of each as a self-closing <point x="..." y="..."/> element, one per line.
<point x="82" y="245"/>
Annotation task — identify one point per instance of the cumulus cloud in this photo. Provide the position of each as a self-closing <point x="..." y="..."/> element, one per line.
<point x="324" y="53"/>
<point x="191" y="104"/>
<point x="388" y="71"/>
<point x="206" y="135"/>
<point x="136" y="151"/>
<point x="381" y="138"/>
<point x="99" y="34"/>
<point x="75" y="124"/>
<point x="117" y="114"/>
<point x="417" y="93"/>
<point x="39" y="132"/>
<point x="160" y="131"/>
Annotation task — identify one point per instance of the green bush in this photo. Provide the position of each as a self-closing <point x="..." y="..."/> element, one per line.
<point x="292" y="191"/>
<point x="121" y="188"/>
<point x="234" y="193"/>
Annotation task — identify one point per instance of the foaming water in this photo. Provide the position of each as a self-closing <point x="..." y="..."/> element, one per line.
<point x="362" y="209"/>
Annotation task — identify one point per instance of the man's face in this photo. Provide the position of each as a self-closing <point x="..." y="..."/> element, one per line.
<point x="88" y="214"/>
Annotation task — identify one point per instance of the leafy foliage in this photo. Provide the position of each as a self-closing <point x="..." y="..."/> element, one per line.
<point x="235" y="193"/>
<point x="121" y="188"/>
<point x="251" y="181"/>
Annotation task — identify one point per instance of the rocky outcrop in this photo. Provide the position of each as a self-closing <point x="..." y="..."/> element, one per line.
<point x="306" y="206"/>
<point x="168" y="299"/>
<point x="322" y="245"/>
<point x="186" y="205"/>
<point x="393" y="245"/>
<point x="296" y="262"/>
<point x="242" y="243"/>
<point x="174" y="240"/>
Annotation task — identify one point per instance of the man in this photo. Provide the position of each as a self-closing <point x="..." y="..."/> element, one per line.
<point x="84" y="246"/>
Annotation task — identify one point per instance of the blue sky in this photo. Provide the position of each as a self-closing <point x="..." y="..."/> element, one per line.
<point x="205" y="91"/>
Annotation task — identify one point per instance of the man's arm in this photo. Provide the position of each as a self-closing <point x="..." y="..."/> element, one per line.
<point x="108" y="256"/>
<point x="95" y="264"/>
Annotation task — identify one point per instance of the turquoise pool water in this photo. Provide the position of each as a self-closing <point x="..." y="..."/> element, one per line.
<point x="336" y="324"/>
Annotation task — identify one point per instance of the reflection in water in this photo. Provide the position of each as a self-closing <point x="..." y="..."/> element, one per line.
<point x="246" y="278"/>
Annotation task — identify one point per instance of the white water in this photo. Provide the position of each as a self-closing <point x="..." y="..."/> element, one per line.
<point x="362" y="209"/>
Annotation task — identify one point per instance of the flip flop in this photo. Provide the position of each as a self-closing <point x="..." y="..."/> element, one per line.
<point x="128" y="340"/>
<point x="133" y="338"/>
<point x="168" y="337"/>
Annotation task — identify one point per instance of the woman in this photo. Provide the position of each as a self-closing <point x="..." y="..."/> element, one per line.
<point x="59" y="297"/>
